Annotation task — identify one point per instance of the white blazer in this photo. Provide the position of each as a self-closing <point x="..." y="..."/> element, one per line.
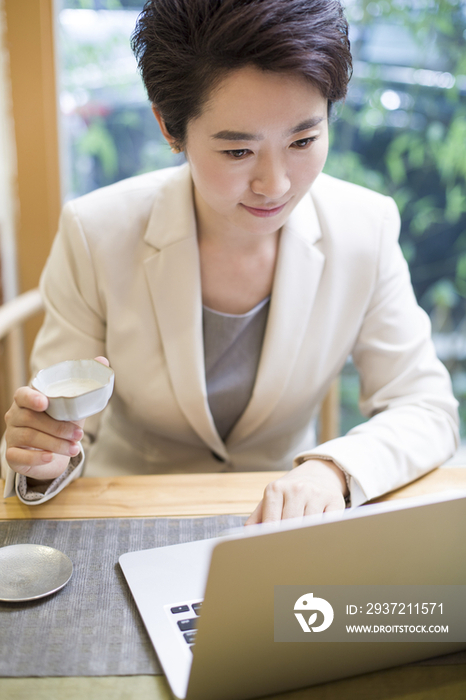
<point x="123" y="280"/>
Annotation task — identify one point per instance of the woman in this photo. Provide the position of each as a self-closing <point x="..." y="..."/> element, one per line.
<point x="228" y="293"/>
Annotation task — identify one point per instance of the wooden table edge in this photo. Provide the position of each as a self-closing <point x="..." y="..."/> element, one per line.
<point x="186" y="495"/>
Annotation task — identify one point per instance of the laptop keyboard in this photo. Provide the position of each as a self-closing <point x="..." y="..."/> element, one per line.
<point x="185" y="616"/>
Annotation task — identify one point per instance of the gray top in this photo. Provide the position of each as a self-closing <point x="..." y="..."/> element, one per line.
<point x="232" y="349"/>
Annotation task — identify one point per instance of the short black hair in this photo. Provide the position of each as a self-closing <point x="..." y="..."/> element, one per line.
<point x="184" y="48"/>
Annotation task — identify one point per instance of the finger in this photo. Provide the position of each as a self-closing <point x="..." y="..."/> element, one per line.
<point x="316" y="505"/>
<point x="25" y="418"/>
<point x="324" y="503"/>
<point x="21" y="459"/>
<point x="293" y="507"/>
<point x="295" y="496"/>
<point x="28" y="409"/>
<point x="338" y="503"/>
<point x="25" y="437"/>
<point x="272" y="505"/>
<point x="102" y="360"/>
<point x="25" y="397"/>
<point x="256" y="515"/>
<point x="36" y="464"/>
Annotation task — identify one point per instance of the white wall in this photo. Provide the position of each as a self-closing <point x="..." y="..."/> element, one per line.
<point x="8" y="193"/>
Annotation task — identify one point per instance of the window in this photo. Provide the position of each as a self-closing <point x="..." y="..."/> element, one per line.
<point x="108" y="130"/>
<point x="402" y="131"/>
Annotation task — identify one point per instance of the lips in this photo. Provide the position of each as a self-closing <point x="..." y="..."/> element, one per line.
<point x="264" y="212"/>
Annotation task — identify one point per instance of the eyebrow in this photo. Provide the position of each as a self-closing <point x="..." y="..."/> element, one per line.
<point x="307" y="124"/>
<point x="227" y="135"/>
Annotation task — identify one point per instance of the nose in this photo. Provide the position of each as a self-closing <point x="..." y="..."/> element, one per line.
<point x="270" y="178"/>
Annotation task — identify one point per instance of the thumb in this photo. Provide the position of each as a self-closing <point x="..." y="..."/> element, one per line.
<point x="102" y="360"/>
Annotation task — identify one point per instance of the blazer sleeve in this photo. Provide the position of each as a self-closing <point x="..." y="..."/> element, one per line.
<point x="405" y="391"/>
<point x="74" y="328"/>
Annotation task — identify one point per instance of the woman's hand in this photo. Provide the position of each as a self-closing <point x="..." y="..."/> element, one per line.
<point x="37" y="445"/>
<point x="316" y="486"/>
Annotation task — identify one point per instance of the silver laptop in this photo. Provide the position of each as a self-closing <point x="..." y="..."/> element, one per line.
<point x="210" y="607"/>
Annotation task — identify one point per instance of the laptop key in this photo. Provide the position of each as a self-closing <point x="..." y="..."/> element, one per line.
<point x="179" y="609"/>
<point x="186" y="625"/>
<point x="197" y="608"/>
<point x="190" y="636"/>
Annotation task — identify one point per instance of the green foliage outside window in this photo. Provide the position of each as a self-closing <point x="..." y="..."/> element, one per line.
<point x="402" y="131"/>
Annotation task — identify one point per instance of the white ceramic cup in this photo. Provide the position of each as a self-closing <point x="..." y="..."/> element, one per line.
<point x="71" y="377"/>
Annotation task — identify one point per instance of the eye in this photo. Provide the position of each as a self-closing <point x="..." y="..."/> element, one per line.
<point x="238" y="153"/>
<point x="303" y="143"/>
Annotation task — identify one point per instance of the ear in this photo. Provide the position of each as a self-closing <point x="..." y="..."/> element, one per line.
<point x="163" y="128"/>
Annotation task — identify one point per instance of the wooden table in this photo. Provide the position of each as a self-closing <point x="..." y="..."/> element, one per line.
<point x="185" y="495"/>
<point x="212" y="494"/>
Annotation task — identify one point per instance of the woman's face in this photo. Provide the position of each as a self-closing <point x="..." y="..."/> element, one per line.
<point x="258" y="146"/>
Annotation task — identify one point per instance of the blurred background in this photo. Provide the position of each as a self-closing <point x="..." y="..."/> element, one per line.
<point x="401" y="131"/>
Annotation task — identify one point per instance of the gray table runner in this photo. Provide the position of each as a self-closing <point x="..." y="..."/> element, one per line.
<point x="92" y="627"/>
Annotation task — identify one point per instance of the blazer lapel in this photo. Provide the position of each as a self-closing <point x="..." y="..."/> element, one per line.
<point x="297" y="277"/>
<point x="173" y="276"/>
